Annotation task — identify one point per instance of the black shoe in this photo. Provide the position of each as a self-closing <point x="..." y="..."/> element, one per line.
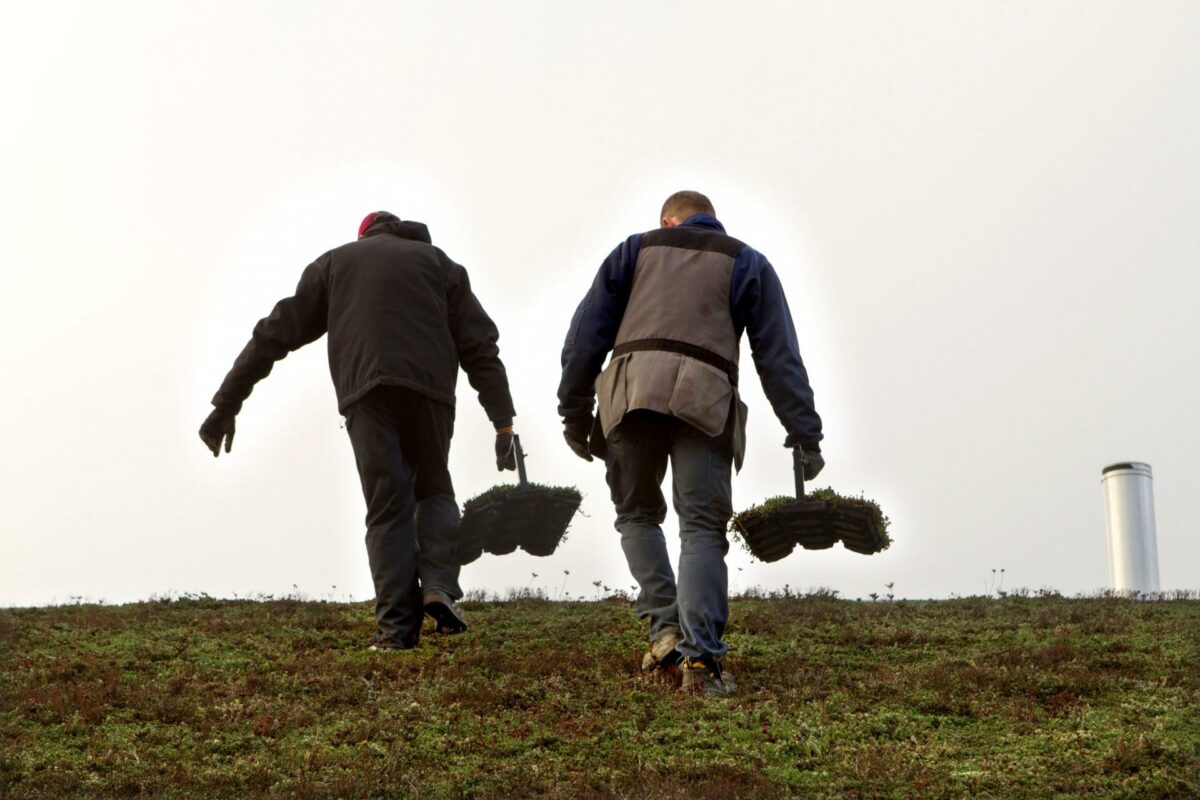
<point x="704" y="676"/>
<point x="441" y="608"/>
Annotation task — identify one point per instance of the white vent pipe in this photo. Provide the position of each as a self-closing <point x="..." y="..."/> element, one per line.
<point x="1129" y="509"/>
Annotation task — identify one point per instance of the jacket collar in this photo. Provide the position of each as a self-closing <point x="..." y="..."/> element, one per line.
<point x="390" y="223"/>
<point x="704" y="221"/>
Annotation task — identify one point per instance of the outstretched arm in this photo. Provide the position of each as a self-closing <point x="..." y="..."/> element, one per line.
<point x="762" y="309"/>
<point x="475" y="337"/>
<point x="294" y="322"/>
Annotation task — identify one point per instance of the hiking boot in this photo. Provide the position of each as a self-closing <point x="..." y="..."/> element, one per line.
<point x="662" y="652"/>
<point x="441" y="608"/>
<point x="704" y="676"/>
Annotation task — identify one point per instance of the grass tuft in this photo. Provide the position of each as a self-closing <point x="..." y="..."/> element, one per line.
<point x="497" y="492"/>
<point x="769" y="508"/>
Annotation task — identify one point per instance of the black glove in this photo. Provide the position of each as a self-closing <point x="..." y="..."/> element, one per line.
<point x="813" y="463"/>
<point x="576" y="431"/>
<point x="219" y="426"/>
<point x="506" y="452"/>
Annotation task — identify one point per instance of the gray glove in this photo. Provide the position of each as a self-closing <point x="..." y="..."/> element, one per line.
<point x="219" y="426"/>
<point x="576" y="431"/>
<point x="506" y="453"/>
<point x="813" y="463"/>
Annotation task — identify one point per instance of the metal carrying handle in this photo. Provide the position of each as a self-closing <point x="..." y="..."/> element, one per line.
<point x="521" y="477"/>
<point x="798" y="468"/>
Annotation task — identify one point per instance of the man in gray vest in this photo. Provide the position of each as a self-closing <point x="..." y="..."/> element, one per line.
<point x="671" y="305"/>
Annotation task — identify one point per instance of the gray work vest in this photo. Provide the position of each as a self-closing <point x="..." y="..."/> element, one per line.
<point x="676" y="351"/>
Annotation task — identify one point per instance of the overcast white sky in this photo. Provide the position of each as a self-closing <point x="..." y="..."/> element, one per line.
<point x="985" y="216"/>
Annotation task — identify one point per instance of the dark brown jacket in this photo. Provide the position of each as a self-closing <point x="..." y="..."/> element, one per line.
<point x="398" y="312"/>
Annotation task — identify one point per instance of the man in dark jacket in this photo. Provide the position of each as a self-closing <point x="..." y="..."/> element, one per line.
<point x="401" y="319"/>
<point x="671" y="306"/>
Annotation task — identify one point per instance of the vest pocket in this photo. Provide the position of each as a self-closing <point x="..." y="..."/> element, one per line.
<point x="612" y="399"/>
<point x="701" y="396"/>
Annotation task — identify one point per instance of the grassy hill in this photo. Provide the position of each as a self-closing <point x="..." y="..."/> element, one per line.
<point x="1021" y="697"/>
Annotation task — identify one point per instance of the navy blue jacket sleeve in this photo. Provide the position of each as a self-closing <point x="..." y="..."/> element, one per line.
<point x="761" y="309"/>
<point x="294" y="322"/>
<point x="594" y="329"/>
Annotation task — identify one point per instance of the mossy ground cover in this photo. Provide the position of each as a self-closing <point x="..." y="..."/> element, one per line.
<point x="770" y="530"/>
<point x="1021" y="697"/>
<point x="503" y="490"/>
<point x="534" y="517"/>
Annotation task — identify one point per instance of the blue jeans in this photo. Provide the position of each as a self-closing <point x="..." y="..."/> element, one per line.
<point x="401" y="442"/>
<point x="697" y="604"/>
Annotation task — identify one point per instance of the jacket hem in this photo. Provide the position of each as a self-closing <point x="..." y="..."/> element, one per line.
<point x="349" y="400"/>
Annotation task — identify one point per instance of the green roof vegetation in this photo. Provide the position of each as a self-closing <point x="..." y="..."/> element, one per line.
<point x="770" y="509"/>
<point x="505" y="489"/>
<point x="1016" y="698"/>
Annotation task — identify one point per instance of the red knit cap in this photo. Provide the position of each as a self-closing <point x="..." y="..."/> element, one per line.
<point x="366" y="223"/>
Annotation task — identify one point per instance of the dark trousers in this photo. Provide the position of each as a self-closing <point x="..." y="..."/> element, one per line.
<point x="638" y="451"/>
<point x="401" y="444"/>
